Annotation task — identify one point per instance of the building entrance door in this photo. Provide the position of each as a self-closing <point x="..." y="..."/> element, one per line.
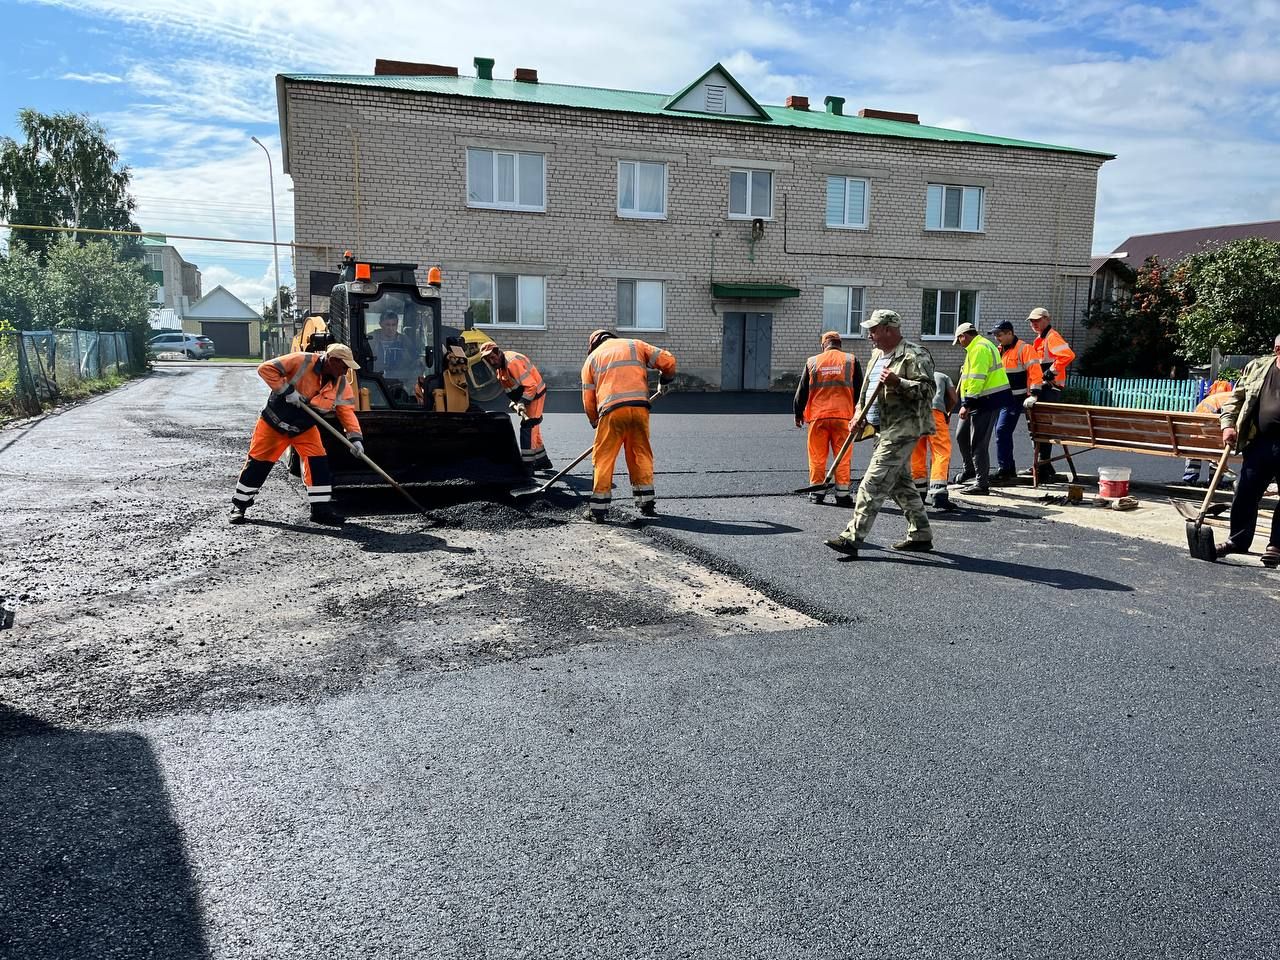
<point x="746" y="351"/>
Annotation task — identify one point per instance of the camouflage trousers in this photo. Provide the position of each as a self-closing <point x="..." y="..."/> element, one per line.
<point x="889" y="475"/>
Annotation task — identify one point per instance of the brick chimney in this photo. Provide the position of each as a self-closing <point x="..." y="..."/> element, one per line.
<point x="795" y="102"/>
<point x="889" y="115"/>
<point x="526" y="75"/>
<point x="405" y="68"/>
<point x="835" y="105"/>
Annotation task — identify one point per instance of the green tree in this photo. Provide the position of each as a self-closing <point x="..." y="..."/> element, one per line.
<point x="22" y="288"/>
<point x="287" y="310"/>
<point x="1231" y="296"/>
<point x="90" y="287"/>
<point x="65" y="173"/>
<point x="1137" y="337"/>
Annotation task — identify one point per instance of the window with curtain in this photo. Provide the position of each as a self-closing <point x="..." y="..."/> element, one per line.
<point x="507" y="300"/>
<point x="953" y="208"/>
<point x="642" y="189"/>
<point x="847" y="202"/>
<point x="640" y="304"/>
<point x="505" y="180"/>
<point x="750" y="194"/>
<point x="842" y="309"/>
<point x="941" y="311"/>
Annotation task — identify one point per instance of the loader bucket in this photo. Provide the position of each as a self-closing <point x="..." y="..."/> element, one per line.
<point x="426" y="449"/>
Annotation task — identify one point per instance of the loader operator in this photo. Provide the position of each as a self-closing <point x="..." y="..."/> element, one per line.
<point x="297" y="380"/>
<point x="615" y="397"/>
<point x="527" y="392"/>
<point x="824" y="400"/>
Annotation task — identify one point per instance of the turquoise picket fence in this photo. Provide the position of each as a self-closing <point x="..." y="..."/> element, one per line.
<point x="1173" y="395"/>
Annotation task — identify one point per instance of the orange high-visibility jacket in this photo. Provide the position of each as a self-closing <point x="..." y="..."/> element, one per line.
<point x="1022" y="367"/>
<point x="616" y="374"/>
<point x="1052" y="351"/>
<point x="303" y="372"/>
<point x="833" y="377"/>
<point x="520" y="378"/>
<point x="1214" y="402"/>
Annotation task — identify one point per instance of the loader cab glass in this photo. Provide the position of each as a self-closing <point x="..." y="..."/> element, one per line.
<point x="398" y="332"/>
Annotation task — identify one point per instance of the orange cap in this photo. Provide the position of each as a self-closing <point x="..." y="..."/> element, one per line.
<point x="487" y="348"/>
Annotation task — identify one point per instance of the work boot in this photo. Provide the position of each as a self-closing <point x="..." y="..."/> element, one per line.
<point x="845" y="501"/>
<point x="817" y="498"/>
<point x="976" y="490"/>
<point x="914" y="546"/>
<point x="968" y="476"/>
<point x="842" y="544"/>
<point x="325" y="514"/>
<point x="593" y="516"/>
<point x="649" y="509"/>
<point x="236" y="515"/>
<point x="1003" y="478"/>
<point x="1271" y="558"/>
<point x="1046" y="474"/>
<point x="1226" y="549"/>
<point x="940" y="500"/>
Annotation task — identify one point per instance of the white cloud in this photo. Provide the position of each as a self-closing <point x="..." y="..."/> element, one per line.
<point x="92" y="77"/>
<point x="253" y="290"/>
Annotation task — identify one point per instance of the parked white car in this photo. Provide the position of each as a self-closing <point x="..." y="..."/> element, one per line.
<point x="190" y="345"/>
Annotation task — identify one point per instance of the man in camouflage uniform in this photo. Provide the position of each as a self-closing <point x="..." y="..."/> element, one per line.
<point x="904" y="414"/>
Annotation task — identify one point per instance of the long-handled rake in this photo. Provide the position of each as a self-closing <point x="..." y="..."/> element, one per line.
<point x="382" y="473"/>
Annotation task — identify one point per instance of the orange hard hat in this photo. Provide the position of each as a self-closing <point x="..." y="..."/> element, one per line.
<point x="598" y="337"/>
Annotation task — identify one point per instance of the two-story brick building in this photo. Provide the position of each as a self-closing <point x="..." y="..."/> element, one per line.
<point x="729" y="232"/>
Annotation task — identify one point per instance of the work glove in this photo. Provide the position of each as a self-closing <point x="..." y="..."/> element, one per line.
<point x="799" y="422"/>
<point x="357" y="447"/>
<point x="664" y="387"/>
<point x="1028" y="403"/>
<point x="1050" y="375"/>
<point x="295" y="398"/>
<point x="520" y="410"/>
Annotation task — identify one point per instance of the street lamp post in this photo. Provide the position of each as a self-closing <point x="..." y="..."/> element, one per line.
<point x="275" y="249"/>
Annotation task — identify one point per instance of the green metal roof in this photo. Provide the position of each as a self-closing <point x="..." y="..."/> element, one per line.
<point x="753" y="291"/>
<point x="653" y="104"/>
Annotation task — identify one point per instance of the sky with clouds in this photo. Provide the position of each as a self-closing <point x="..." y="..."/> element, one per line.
<point x="1186" y="94"/>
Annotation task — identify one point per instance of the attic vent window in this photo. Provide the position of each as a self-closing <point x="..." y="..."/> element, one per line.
<point x="715" y="97"/>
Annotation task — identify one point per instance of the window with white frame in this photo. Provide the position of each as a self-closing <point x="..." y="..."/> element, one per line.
<point x="508" y="300"/>
<point x="941" y="311"/>
<point x="953" y="208"/>
<point x="640" y="304"/>
<point x="750" y="194"/>
<point x="847" y="202"/>
<point x="642" y="189"/>
<point x="842" y="309"/>
<point x="505" y="180"/>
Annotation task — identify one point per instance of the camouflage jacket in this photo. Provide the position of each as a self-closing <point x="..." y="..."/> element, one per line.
<point x="1241" y="409"/>
<point x="906" y="408"/>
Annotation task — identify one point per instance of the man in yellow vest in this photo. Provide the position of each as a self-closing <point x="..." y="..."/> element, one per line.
<point x="984" y="391"/>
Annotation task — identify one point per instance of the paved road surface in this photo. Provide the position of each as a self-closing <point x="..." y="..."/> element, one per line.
<point x="1040" y="742"/>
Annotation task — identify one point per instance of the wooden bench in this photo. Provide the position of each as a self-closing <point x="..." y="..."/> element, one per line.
<point x="1196" y="436"/>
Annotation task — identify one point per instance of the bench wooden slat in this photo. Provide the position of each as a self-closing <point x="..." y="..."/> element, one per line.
<point x="1157" y="432"/>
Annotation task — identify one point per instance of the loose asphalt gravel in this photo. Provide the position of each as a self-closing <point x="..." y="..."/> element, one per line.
<point x="1039" y="741"/>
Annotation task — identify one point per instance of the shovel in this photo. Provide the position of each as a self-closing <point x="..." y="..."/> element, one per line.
<point x="1199" y="537"/>
<point x="537" y="491"/>
<point x="382" y="473"/>
<point x="828" y="481"/>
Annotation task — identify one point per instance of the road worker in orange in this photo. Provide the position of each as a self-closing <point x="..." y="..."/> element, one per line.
<point x="824" y="400"/>
<point x="1054" y="355"/>
<point x="931" y="459"/>
<point x="1213" y="403"/>
<point x="527" y="392"/>
<point x="615" y="396"/>
<point x="318" y="380"/>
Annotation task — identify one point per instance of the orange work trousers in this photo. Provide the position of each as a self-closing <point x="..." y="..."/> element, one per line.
<point x="825" y="438"/>
<point x="938" y="444"/>
<point x="267" y="446"/>
<point x="531" y="450"/>
<point x="625" y="428"/>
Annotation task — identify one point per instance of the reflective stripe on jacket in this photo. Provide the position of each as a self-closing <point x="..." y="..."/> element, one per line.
<point x="983" y="373"/>
<point x="1052" y="352"/>
<point x="616" y="374"/>
<point x="1021" y="367"/>
<point x="832" y="378"/>
<point x="304" y="373"/>
<point x="520" y="374"/>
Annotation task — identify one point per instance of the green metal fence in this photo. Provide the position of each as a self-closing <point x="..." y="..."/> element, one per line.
<point x="38" y="366"/>
<point x="1178" y="396"/>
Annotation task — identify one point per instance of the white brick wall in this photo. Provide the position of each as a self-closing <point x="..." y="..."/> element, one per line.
<point x="412" y="200"/>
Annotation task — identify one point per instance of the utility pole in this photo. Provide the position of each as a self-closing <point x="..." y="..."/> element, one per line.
<point x="275" y="249"/>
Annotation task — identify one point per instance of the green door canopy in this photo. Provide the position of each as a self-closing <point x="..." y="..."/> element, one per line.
<point x="753" y="291"/>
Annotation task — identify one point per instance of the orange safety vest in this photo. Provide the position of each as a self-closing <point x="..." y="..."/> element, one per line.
<point x="519" y="373"/>
<point x="830" y="376"/>
<point x="616" y="374"/>
<point x="1052" y="351"/>
<point x="1021" y="366"/>
<point x="303" y="372"/>
<point x="1214" y="402"/>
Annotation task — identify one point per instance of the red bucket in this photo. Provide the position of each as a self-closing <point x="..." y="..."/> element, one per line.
<point x="1113" y="482"/>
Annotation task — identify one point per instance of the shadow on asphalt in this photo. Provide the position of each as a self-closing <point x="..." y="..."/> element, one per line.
<point x="752" y="528"/>
<point x="1021" y="572"/>
<point x="94" y="864"/>
<point x="370" y="540"/>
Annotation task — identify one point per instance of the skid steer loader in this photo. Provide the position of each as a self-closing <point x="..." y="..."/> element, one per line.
<point x="417" y="387"/>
